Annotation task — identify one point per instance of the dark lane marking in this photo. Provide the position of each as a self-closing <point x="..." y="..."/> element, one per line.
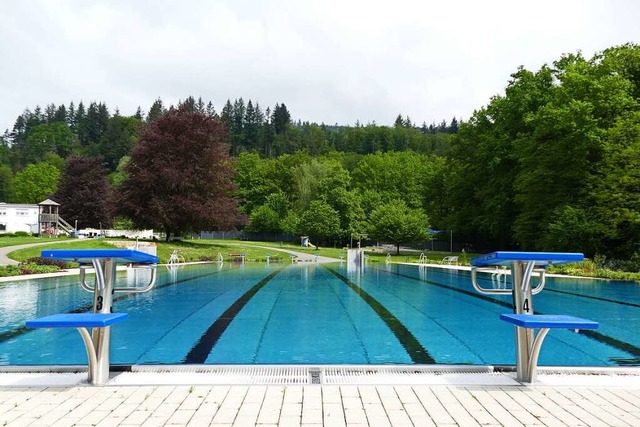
<point x="200" y="351"/>
<point x="600" y="337"/>
<point x="20" y="330"/>
<point x="630" y="304"/>
<point x="410" y="343"/>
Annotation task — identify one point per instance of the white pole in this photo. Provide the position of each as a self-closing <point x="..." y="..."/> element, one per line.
<point x="451" y="243"/>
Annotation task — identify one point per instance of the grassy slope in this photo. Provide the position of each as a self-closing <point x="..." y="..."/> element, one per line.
<point x="205" y="249"/>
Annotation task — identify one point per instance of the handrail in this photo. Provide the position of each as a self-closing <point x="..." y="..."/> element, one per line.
<point x="136" y="290"/>
<point x="499" y="277"/>
<point x="526" y="282"/>
<point x="130" y="289"/>
<point x="82" y="277"/>
<point x="99" y="273"/>
<point x="474" y="280"/>
<point x="540" y="286"/>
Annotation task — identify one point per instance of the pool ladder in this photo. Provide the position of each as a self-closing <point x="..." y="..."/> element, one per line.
<point x="423" y="260"/>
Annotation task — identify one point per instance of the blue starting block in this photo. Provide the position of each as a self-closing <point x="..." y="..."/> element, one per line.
<point x="548" y="321"/>
<point x="523" y="265"/>
<point x="88" y="256"/>
<point x="544" y="322"/>
<point x="104" y="262"/>
<point x="77" y="320"/>
<point x="82" y="321"/>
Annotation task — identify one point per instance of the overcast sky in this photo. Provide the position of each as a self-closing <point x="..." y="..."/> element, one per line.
<point x="331" y="61"/>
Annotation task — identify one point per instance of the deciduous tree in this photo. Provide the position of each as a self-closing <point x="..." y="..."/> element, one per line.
<point x="84" y="194"/>
<point x="321" y="222"/>
<point x="179" y="176"/>
<point x="396" y="223"/>
<point x="35" y="183"/>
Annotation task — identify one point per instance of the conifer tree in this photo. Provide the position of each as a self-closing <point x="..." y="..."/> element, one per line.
<point x="157" y="109"/>
<point x="281" y="118"/>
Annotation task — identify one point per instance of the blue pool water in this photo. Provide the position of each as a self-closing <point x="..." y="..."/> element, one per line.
<point x="313" y="314"/>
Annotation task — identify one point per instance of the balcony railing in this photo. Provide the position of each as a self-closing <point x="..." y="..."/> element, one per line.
<point x="49" y="218"/>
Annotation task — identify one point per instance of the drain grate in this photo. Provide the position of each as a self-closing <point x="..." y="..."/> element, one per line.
<point x="459" y="375"/>
<point x="314" y="375"/>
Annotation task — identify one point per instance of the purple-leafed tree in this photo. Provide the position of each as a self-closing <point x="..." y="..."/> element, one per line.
<point x="180" y="176"/>
<point x="84" y="194"/>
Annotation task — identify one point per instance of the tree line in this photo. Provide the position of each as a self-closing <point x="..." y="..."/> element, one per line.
<point x="551" y="164"/>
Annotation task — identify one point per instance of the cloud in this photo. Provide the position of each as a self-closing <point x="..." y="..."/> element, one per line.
<point x="328" y="61"/>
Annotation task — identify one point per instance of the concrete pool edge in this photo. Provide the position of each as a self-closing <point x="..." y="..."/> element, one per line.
<point x="289" y="375"/>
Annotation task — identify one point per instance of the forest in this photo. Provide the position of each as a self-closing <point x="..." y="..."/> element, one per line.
<point x="553" y="163"/>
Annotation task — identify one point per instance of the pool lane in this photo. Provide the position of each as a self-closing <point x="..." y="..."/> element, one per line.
<point x="200" y="351"/>
<point x="178" y="316"/>
<point x="612" y="349"/>
<point x="306" y="315"/>
<point x="414" y="348"/>
<point x="74" y="299"/>
<point x="146" y="336"/>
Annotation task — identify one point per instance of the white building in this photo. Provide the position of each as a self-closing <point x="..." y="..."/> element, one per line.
<point x="42" y="218"/>
<point x="18" y="217"/>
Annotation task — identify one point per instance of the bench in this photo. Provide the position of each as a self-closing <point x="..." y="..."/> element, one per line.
<point x="82" y="321"/>
<point x="543" y="322"/>
<point x="450" y="259"/>
<point x="237" y="256"/>
<point x="273" y="258"/>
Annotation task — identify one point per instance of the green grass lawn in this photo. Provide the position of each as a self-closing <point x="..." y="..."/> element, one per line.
<point x="26" y="253"/>
<point x="208" y="249"/>
<point x="19" y="240"/>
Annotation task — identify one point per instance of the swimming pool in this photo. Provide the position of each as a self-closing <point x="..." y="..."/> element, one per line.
<point x="320" y="314"/>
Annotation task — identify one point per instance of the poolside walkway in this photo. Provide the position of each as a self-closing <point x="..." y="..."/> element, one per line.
<point x="5" y="260"/>
<point x="315" y="405"/>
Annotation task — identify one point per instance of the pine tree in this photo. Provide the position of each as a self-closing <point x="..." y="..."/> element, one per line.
<point x="80" y="124"/>
<point x="189" y="104"/>
<point x="281" y="118"/>
<point x="96" y="123"/>
<point x="50" y="113"/>
<point x="157" y="109"/>
<point x="139" y="114"/>
<point x="238" y="127"/>
<point x="211" y="111"/>
<point x="71" y="117"/>
<point x="227" y="115"/>
<point x="200" y="108"/>
<point x="252" y="127"/>
<point x="60" y="114"/>
<point x="453" y="128"/>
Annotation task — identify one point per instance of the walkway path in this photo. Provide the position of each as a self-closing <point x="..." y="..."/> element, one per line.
<point x="4" y="251"/>
<point x="302" y="256"/>
<point x="313" y="405"/>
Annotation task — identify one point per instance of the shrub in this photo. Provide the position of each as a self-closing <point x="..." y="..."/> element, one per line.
<point x="21" y="234"/>
<point x="37" y="269"/>
<point x="46" y="261"/>
<point x="9" y="270"/>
